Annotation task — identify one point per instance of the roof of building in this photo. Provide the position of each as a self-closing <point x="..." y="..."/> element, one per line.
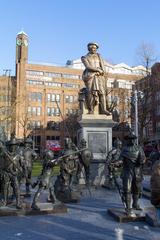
<point x="120" y="68"/>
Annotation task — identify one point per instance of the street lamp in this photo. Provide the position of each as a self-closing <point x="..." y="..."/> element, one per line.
<point x="136" y="96"/>
<point x="7" y="72"/>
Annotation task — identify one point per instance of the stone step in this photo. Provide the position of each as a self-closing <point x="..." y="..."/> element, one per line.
<point x="45" y="208"/>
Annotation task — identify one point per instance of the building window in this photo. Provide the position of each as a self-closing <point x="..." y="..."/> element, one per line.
<point x="52" y="74"/>
<point x="53" y="97"/>
<point x="29" y="110"/>
<point x="70" y="85"/>
<point x="48" y="97"/>
<point x="57" y="97"/>
<point x="34" y="111"/>
<point x="53" y="111"/>
<point x="75" y="99"/>
<point x="57" y="112"/>
<point x="34" y="73"/>
<point x="72" y="76"/>
<point x="38" y="111"/>
<point x="37" y="140"/>
<point x="35" y="97"/>
<point x="71" y="111"/>
<point x="39" y="97"/>
<point x="49" y="111"/>
<point x="53" y="84"/>
<point x="69" y="98"/>
<point x="53" y="138"/>
<point x="34" y="82"/>
<point x="35" y="124"/>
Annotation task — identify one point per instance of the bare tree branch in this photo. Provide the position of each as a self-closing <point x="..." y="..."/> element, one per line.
<point x="146" y="55"/>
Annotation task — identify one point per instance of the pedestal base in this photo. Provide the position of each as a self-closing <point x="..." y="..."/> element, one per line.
<point x="45" y="208"/>
<point x="68" y="197"/>
<point x="25" y="195"/>
<point x="151" y="218"/>
<point x="120" y="215"/>
<point x="97" y="131"/>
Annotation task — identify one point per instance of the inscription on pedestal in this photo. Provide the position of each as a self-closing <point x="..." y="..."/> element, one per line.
<point x="97" y="142"/>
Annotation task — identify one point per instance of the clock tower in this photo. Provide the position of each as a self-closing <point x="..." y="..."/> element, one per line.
<point x="21" y="93"/>
<point x="22" y="47"/>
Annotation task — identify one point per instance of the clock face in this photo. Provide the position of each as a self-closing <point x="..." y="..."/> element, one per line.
<point x="19" y="42"/>
<point x="26" y="42"/>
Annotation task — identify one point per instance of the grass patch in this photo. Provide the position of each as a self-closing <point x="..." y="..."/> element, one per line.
<point x="37" y="168"/>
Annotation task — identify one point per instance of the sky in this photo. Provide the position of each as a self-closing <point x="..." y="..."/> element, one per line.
<point x="59" y="30"/>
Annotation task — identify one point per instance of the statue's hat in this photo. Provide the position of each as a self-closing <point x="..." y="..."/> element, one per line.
<point x="28" y="140"/>
<point x="13" y="141"/>
<point x="130" y="136"/>
<point x="92" y="43"/>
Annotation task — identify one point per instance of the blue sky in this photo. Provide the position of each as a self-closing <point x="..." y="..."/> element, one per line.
<point x="59" y="30"/>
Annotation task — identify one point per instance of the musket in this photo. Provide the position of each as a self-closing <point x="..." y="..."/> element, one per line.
<point x="55" y="161"/>
<point x="59" y="159"/>
<point x="89" y="190"/>
<point x="119" y="189"/>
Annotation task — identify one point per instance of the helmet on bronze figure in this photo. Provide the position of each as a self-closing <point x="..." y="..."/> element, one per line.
<point x="130" y="136"/>
<point x="131" y="139"/>
<point x="83" y="142"/>
<point x="117" y="143"/>
<point x="13" y="141"/>
<point x="49" y="154"/>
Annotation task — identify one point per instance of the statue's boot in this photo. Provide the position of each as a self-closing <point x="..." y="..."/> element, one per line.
<point x="103" y="105"/>
<point x="27" y="188"/>
<point x="127" y="198"/>
<point x="34" y="206"/>
<point x="18" y="206"/>
<point x="52" y="196"/>
<point x="87" y="173"/>
<point x="35" y="200"/>
<point x="90" y="103"/>
<point x="18" y="203"/>
<point x="135" y="204"/>
<point x="17" y="195"/>
<point x="5" y="200"/>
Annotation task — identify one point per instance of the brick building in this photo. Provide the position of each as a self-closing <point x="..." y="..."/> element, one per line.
<point x="46" y="95"/>
<point x="149" y="107"/>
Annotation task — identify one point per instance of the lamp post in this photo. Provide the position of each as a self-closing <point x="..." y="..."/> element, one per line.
<point x="137" y="95"/>
<point x="7" y="72"/>
<point x="136" y="114"/>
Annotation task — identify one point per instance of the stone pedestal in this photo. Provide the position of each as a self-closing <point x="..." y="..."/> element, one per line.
<point x="97" y="131"/>
<point x="120" y="215"/>
<point x="45" y="208"/>
<point x="152" y="218"/>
